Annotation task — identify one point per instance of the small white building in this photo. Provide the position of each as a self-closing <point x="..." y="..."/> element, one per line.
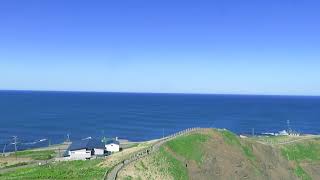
<point x="79" y="154"/>
<point x="85" y="149"/>
<point x="113" y="146"/>
<point x="99" y="152"/>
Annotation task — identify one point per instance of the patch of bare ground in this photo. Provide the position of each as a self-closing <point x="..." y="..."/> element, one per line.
<point x="312" y="168"/>
<point x="271" y="163"/>
<point x="228" y="161"/>
<point x="221" y="161"/>
<point x="146" y="168"/>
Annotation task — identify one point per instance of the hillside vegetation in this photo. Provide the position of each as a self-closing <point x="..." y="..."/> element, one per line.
<point x="220" y="154"/>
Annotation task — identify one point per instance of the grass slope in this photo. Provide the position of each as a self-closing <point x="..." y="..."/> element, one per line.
<point x="306" y="151"/>
<point x="176" y="169"/>
<point x="233" y="139"/>
<point x="309" y="152"/>
<point x="299" y="172"/>
<point x="189" y="146"/>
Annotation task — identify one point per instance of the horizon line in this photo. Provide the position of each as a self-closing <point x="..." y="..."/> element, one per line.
<point x="146" y="92"/>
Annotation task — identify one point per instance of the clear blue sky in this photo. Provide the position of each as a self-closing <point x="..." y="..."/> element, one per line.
<point x="178" y="46"/>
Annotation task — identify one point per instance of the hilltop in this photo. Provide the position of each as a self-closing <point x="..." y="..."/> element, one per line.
<point x="220" y="154"/>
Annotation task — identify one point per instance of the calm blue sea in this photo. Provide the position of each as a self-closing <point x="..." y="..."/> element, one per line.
<point x="33" y="116"/>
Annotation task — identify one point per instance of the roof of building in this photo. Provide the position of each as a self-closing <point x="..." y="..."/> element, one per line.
<point x="86" y="144"/>
<point x="113" y="142"/>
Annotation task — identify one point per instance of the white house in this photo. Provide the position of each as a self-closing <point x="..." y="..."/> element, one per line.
<point x="99" y="152"/>
<point x="113" y="146"/>
<point x="79" y="154"/>
<point x="85" y="149"/>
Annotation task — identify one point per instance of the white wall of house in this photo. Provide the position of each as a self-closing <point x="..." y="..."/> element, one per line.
<point x="80" y="154"/>
<point x="112" y="147"/>
<point x="98" y="151"/>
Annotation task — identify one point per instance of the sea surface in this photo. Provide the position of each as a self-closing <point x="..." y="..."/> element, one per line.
<point x="42" y="118"/>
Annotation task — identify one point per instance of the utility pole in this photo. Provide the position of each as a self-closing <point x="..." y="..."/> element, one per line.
<point x="252" y="131"/>
<point x="162" y="133"/>
<point x="288" y="126"/>
<point x="4" y="149"/>
<point x="15" y="145"/>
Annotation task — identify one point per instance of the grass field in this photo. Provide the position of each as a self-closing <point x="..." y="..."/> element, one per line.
<point x="61" y="170"/>
<point x="22" y="158"/>
<point x="36" y="155"/>
<point x="191" y="151"/>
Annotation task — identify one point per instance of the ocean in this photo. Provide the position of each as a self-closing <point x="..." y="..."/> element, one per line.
<point x="39" y="118"/>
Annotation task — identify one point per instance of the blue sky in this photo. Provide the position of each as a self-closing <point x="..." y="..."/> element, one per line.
<point x="217" y="46"/>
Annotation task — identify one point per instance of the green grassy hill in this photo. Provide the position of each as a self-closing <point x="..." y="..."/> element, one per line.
<point x="220" y="154"/>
